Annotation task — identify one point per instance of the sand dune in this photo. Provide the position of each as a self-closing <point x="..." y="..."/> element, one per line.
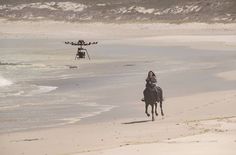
<point x="176" y="11"/>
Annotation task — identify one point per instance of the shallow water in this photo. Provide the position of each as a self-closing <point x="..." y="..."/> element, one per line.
<point x="39" y="89"/>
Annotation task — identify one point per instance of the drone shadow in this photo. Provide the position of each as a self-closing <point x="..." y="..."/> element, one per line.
<point x="136" y="122"/>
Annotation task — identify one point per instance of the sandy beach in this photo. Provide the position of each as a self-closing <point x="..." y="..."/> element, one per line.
<point x="201" y="123"/>
<point x="49" y="108"/>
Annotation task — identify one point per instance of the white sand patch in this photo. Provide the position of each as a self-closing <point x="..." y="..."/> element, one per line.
<point x="226" y="18"/>
<point x="101" y="4"/>
<point x="178" y="10"/>
<point x="30" y="5"/>
<point x="70" y="6"/>
<point x="157" y="12"/>
<point x="43" y="6"/>
<point x="3" y="7"/>
<point x="121" y="10"/>
<point x="50" y="3"/>
<point x="18" y="7"/>
<point x="229" y="75"/>
<point x="65" y="6"/>
<point x="138" y="9"/>
<point x="165" y="11"/>
<point x="191" y="8"/>
<point x="144" y="10"/>
<point x="132" y="7"/>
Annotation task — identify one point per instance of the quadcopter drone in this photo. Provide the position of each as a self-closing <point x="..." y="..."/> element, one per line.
<point x="81" y="52"/>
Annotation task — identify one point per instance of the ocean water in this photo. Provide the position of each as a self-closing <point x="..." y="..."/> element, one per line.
<point x="39" y="89"/>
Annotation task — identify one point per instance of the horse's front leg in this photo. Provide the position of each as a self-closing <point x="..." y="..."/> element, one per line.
<point x="162" y="113"/>
<point x="153" y="112"/>
<point x="156" y="109"/>
<point x="146" y="109"/>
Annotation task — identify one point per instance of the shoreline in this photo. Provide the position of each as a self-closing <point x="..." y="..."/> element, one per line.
<point x="203" y="67"/>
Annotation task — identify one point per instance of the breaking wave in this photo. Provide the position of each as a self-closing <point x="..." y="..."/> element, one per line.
<point x="4" y="82"/>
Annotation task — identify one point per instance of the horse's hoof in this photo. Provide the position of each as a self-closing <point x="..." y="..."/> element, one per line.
<point x="162" y="114"/>
<point x="153" y="119"/>
<point x="148" y="114"/>
<point x="156" y="114"/>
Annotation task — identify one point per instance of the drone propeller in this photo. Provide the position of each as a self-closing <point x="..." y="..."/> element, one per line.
<point x="81" y="43"/>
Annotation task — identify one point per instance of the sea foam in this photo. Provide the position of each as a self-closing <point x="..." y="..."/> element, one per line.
<point x="4" y="82"/>
<point x="41" y="90"/>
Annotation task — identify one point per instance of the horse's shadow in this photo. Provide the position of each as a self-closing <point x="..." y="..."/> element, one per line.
<point x="136" y="122"/>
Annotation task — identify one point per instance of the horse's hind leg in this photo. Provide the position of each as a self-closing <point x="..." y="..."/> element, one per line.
<point x="153" y="119"/>
<point x="161" y="109"/>
<point x="156" y="109"/>
<point x="161" y="99"/>
<point x="146" y="109"/>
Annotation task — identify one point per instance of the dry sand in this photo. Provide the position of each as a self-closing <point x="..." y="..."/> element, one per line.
<point x="53" y="29"/>
<point x="218" y="36"/>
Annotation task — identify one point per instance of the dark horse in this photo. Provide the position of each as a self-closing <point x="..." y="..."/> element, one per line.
<point x="151" y="97"/>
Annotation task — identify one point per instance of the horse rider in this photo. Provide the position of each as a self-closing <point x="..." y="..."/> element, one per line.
<point x="151" y="82"/>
